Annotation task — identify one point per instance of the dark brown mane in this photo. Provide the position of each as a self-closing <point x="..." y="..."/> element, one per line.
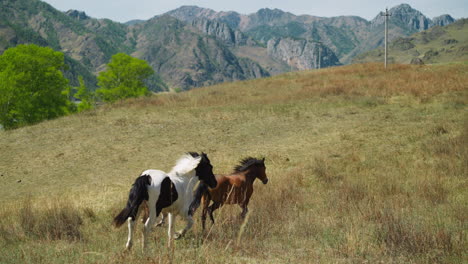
<point x="248" y="162"/>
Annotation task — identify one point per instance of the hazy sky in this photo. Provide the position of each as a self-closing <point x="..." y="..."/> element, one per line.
<point x="125" y="10"/>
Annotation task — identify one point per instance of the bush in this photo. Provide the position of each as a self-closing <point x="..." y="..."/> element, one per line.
<point x="32" y="86"/>
<point x="55" y="222"/>
<point x="124" y="78"/>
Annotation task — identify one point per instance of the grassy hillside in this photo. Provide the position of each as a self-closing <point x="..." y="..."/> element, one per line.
<point x="435" y="45"/>
<point x="365" y="165"/>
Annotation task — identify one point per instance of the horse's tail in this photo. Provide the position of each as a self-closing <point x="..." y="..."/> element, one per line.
<point x="201" y="190"/>
<point x="138" y="193"/>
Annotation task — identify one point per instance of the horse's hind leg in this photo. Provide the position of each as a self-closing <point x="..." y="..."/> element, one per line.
<point x="131" y="224"/>
<point x="161" y="222"/>
<point x="145" y="209"/>
<point x="204" y="211"/>
<point x="149" y="223"/>
<point x="181" y="233"/>
<point x="211" y="209"/>
<point x="170" y="223"/>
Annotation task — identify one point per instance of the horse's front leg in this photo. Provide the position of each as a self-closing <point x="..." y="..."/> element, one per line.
<point x="211" y="209"/>
<point x="243" y="205"/>
<point x="204" y="212"/>
<point x="245" y="210"/>
<point x="181" y="233"/>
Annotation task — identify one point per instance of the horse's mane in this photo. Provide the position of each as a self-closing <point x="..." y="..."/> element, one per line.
<point x="188" y="162"/>
<point x="248" y="162"/>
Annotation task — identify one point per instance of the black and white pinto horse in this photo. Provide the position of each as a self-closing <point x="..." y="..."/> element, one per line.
<point x="170" y="193"/>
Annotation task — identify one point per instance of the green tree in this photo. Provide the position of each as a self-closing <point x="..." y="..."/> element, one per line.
<point x="85" y="96"/>
<point x="124" y="78"/>
<point x="32" y="86"/>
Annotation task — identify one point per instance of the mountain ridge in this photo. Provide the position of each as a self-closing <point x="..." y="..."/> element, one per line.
<point x="201" y="46"/>
<point x="345" y="35"/>
<point x="438" y="44"/>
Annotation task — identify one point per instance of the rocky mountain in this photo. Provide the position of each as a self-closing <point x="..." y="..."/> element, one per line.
<point x="78" y="15"/>
<point x="267" y="24"/>
<point x="436" y="45"/>
<point x="443" y="20"/>
<point x="192" y="46"/>
<point x="346" y="36"/>
<point x="134" y="22"/>
<point x="87" y="43"/>
<point x="222" y="31"/>
<point x="405" y="17"/>
<point x="297" y="54"/>
<point x="181" y="53"/>
<point x="186" y="58"/>
<point x="301" y="54"/>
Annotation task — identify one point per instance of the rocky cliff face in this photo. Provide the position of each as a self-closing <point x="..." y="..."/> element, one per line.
<point x="443" y="20"/>
<point x="190" y="13"/>
<point x="79" y="15"/>
<point x="406" y="16"/>
<point x="346" y="36"/>
<point x="412" y="19"/>
<point x="222" y="32"/>
<point x="185" y="58"/>
<point x="302" y="54"/>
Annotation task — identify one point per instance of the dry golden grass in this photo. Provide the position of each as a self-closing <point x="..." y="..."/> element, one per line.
<point x="365" y="165"/>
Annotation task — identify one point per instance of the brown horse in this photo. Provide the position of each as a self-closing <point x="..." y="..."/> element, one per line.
<point x="234" y="188"/>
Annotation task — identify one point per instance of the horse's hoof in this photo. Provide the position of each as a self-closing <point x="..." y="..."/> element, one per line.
<point x="128" y="247"/>
<point x="178" y="236"/>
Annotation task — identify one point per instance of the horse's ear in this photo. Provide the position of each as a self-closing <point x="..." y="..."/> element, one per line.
<point x="193" y="154"/>
<point x="263" y="159"/>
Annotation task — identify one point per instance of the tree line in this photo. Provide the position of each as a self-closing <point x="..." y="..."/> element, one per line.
<point x="33" y="88"/>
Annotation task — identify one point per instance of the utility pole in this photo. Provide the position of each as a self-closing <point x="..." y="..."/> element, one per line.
<point x="386" y="14"/>
<point x="319" y="57"/>
<point x="320" y="54"/>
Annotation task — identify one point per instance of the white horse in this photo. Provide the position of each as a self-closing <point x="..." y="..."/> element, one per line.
<point x="170" y="193"/>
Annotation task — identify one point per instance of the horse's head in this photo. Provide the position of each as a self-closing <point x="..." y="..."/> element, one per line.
<point x="261" y="175"/>
<point x="254" y="168"/>
<point x="204" y="171"/>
